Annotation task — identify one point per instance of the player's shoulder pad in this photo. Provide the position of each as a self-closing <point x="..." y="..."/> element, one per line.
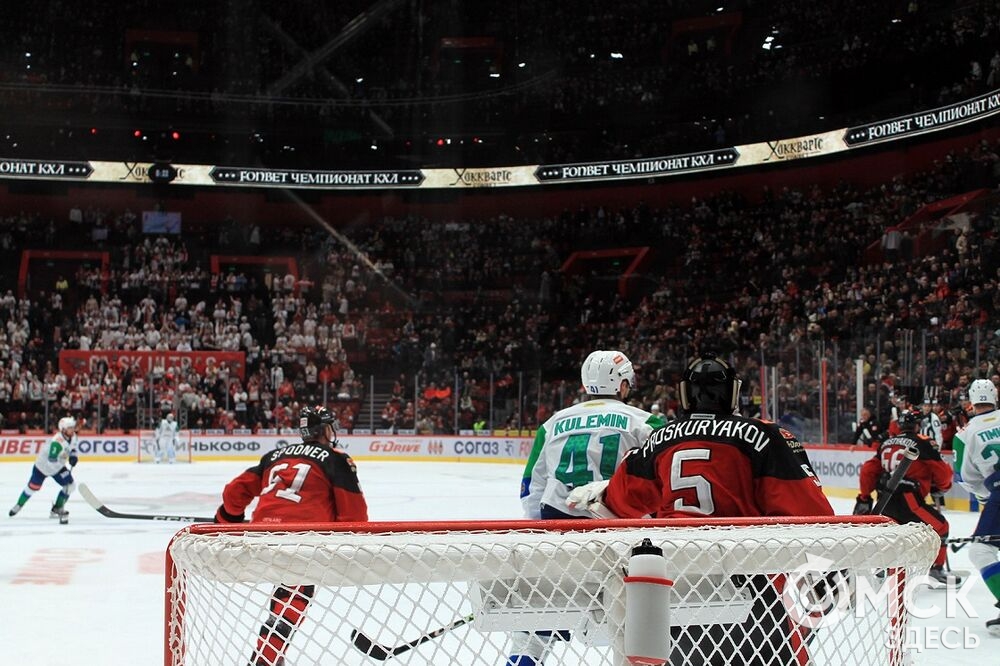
<point x="783" y="434"/>
<point x="348" y="460"/>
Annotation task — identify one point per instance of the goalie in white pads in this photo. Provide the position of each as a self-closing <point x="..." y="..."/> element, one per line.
<point x="576" y="446"/>
<point x="977" y="459"/>
<point x="56" y="460"/>
<point x="165" y="440"/>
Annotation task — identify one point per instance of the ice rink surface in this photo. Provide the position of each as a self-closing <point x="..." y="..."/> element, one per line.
<point x="90" y="593"/>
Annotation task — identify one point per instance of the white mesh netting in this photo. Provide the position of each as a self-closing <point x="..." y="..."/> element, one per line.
<point x="764" y="594"/>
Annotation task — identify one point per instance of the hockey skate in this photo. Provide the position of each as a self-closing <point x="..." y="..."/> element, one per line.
<point x="61" y="513"/>
<point x="13" y="510"/>
<point x="993" y="626"/>
<point x="944" y="578"/>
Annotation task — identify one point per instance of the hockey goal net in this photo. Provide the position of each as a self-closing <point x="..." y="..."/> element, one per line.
<point x="750" y="591"/>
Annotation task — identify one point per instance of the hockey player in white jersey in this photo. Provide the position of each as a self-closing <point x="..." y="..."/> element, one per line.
<point x="576" y="446"/>
<point x="585" y="442"/>
<point x="977" y="460"/>
<point x="57" y="460"/>
<point x="165" y="440"/>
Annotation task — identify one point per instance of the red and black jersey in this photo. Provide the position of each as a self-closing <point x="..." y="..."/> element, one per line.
<point x="928" y="470"/>
<point x="299" y="483"/>
<point x="717" y="465"/>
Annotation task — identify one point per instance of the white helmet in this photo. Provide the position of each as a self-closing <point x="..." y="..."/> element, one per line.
<point x="603" y="371"/>
<point x="983" y="391"/>
<point x="67" y="423"/>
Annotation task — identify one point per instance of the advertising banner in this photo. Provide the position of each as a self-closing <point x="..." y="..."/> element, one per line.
<point x="91" y="447"/>
<point x="73" y="361"/>
<point x="724" y="157"/>
<point x="838" y="467"/>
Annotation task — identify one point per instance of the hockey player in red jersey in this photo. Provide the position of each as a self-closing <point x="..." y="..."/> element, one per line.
<point x="713" y="462"/>
<point x="907" y="504"/>
<point x="309" y="482"/>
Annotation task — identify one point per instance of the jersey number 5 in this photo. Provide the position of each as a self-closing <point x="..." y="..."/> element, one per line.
<point x="701" y="485"/>
<point x="574" y="469"/>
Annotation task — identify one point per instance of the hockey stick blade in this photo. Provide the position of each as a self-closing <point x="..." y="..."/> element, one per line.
<point x="381" y="652"/>
<point x="368" y="646"/>
<point x="102" y="509"/>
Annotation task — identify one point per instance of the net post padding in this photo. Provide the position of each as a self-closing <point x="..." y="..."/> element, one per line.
<point x="514" y="576"/>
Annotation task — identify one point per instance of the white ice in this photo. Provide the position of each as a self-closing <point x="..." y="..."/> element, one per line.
<point x="91" y="592"/>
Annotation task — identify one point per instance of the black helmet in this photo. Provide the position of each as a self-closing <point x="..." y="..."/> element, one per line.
<point x="313" y="422"/>
<point x="709" y="386"/>
<point x="908" y="419"/>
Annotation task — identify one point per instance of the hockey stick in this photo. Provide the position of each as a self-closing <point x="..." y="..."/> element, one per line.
<point x="383" y="652"/>
<point x="910" y="454"/>
<point x="958" y="543"/>
<point x="110" y="513"/>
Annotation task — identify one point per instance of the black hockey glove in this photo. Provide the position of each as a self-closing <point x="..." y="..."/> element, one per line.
<point x="223" y="516"/>
<point x="73" y="459"/>
<point x="863" y="505"/>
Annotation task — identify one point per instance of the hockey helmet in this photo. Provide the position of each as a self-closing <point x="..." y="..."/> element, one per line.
<point x="983" y="392"/>
<point x="603" y="371"/>
<point x="709" y="385"/>
<point x="67" y="423"/>
<point x="313" y="422"/>
<point x="908" y="419"/>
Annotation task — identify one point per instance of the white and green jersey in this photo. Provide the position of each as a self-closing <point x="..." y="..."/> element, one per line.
<point x="166" y="432"/>
<point x="580" y="444"/>
<point x="55" y="455"/>
<point x="977" y="451"/>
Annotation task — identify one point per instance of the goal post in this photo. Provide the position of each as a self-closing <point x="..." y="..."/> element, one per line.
<point x="769" y="592"/>
<point x="147" y="447"/>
